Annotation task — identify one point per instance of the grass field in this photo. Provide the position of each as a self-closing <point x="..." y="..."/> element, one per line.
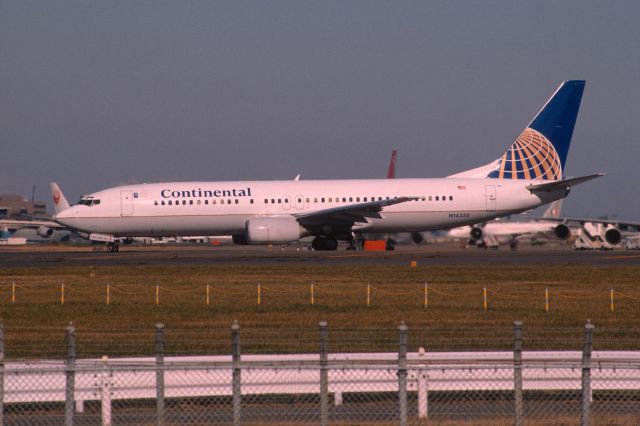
<point x="285" y="321"/>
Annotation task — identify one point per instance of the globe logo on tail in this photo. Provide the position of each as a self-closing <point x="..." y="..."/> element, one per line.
<point x="531" y="156"/>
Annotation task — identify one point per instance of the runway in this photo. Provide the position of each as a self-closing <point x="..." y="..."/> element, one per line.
<point x="194" y="255"/>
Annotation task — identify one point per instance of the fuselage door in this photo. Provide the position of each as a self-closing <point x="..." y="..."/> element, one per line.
<point x="299" y="202"/>
<point x="126" y="198"/>
<point x="491" y="197"/>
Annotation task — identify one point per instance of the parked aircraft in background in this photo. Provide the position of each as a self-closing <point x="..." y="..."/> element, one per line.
<point x="391" y="174"/>
<point x="586" y="233"/>
<point x="499" y="231"/>
<point x="603" y="234"/>
<point x="527" y="175"/>
<point x="33" y="230"/>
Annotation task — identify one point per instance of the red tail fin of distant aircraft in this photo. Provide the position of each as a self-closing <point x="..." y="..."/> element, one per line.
<point x="391" y="174"/>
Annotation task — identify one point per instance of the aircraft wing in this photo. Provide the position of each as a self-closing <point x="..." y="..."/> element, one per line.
<point x="342" y="218"/>
<point x="583" y="220"/>
<point x="20" y="224"/>
<point x="564" y="183"/>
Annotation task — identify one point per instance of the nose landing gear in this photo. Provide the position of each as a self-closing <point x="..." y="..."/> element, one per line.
<point x="113" y="247"/>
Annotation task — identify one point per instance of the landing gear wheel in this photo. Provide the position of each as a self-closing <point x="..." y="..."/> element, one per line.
<point x="330" y="244"/>
<point x="324" y="243"/>
<point x="112" y="247"/>
<point x="318" y="243"/>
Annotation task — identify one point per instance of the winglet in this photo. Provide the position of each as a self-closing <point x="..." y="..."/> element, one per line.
<point x="59" y="201"/>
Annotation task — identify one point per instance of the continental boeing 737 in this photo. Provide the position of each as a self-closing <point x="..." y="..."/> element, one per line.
<point x="528" y="174"/>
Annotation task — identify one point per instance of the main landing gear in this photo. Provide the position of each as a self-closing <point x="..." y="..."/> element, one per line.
<point x="356" y="243"/>
<point x="113" y="247"/>
<point x="513" y="244"/>
<point x="324" y="243"/>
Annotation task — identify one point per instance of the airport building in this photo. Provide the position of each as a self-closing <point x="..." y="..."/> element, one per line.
<point x="15" y="206"/>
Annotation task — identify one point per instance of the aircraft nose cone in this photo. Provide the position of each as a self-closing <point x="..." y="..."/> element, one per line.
<point x="64" y="216"/>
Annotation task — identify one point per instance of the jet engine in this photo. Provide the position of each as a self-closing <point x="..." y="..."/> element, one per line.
<point x="44" y="231"/>
<point x="4" y="232"/>
<point x="476" y="233"/>
<point x="273" y="230"/>
<point x="240" y="239"/>
<point x="417" y="238"/>
<point x="612" y="235"/>
<point x="562" y="231"/>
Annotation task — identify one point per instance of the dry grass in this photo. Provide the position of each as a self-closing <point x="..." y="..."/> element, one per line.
<point x="285" y="320"/>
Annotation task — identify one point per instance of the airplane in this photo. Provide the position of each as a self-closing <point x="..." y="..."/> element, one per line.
<point x="591" y="233"/>
<point x="33" y="230"/>
<point x="391" y="173"/>
<point x="491" y="234"/>
<point x="608" y="233"/>
<point x="528" y="174"/>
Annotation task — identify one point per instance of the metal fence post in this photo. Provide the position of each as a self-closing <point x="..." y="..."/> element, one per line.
<point x="324" y="374"/>
<point x="586" y="372"/>
<point x="105" y="392"/>
<point x="402" y="373"/>
<point x="236" y="383"/>
<point x="423" y="395"/>
<point x="517" y="372"/>
<point x="160" y="374"/>
<point x="70" y="375"/>
<point x="1" y="374"/>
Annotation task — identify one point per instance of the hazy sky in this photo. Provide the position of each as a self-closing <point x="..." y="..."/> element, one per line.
<point x="99" y="93"/>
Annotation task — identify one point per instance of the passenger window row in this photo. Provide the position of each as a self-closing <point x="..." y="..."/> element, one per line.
<point x="368" y="199"/>
<point x="197" y="202"/>
<point x="308" y="200"/>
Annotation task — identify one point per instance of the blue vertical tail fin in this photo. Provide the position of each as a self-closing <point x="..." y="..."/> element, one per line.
<point x="540" y="152"/>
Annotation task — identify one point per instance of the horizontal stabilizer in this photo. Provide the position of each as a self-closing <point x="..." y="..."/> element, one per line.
<point x="562" y="184"/>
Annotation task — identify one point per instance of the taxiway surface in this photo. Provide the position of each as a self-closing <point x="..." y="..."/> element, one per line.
<point x="51" y="256"/>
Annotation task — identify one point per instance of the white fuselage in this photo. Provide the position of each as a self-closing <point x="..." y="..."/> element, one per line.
<point x="223" y="208"/>
<point x="505" y="228"/>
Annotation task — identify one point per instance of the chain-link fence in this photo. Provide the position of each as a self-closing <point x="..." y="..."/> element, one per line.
<point x="326" y="388"/>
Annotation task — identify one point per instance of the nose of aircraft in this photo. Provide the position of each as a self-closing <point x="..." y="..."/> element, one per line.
<point x="64" y="216"/>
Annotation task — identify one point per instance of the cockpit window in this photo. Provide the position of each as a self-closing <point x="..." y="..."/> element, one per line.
<point x="88" y="202"/>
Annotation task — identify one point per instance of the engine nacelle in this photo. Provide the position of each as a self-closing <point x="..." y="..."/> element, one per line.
<point x="240" y="239"/>
<point x="417" y="238"/>
<point x="562" y="231"/>
<point x="44" y="231"/>
<point x="4" y="232"/>
<point x="476" y="233"/>
<point x="613" y="236"/>
<point x="273" y="230"/>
